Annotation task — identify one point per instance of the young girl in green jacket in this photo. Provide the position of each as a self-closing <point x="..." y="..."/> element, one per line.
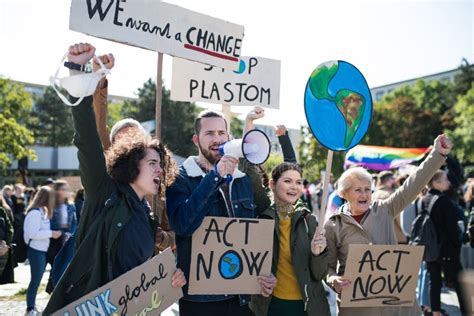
<point x="299" y="255"/>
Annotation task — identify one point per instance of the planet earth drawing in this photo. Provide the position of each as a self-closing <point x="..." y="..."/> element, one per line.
<point x="338" y="105"/>
<point x="230" y="265"/>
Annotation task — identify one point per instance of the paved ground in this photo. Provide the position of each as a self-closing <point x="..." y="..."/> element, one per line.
<point x="12" y="303"/>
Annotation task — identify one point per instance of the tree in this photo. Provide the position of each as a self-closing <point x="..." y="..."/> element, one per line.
<point x="114" y="114"/>
<point x="412" y="116"/>
<point x="51" y="120"/>
<point x="463" y="133"/>
<point x="273" y="160"/>
<point x="400" y="123"/>
<point x="463" y="81"/>
<point x="177" y="117"/>
<point x="236" y="127"/>
<point x="313" y="157"/>
<point x="143" y="109"/>
<point x="15" y="103"/>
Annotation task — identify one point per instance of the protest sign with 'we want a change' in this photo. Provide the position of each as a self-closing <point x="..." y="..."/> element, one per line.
<point x="161" y="27"/>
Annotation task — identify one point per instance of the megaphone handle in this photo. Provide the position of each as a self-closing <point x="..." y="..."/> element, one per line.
<point x="228" y="178"/>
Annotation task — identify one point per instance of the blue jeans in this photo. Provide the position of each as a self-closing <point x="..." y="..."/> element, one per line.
<point x="422" y="288"/>
<point x="37" y="261"/>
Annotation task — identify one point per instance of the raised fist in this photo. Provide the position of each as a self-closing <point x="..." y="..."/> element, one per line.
<point x="443" y="145"/>
<point x="107" y="60"/>
<point x="280" y="130"/>
<point x="81" y="53"/>
<point x="256" y="113"/>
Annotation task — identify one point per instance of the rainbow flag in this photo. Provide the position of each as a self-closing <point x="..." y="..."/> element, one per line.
<point x="382" y="158"/>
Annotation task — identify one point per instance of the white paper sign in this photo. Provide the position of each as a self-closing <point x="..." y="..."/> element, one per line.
<point x="161" y="27"/>
<point x="256" y="82"/>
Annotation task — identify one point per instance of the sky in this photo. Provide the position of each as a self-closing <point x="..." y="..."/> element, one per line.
<point x="388" y="41"/>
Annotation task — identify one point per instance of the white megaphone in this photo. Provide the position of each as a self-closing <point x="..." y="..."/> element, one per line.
<point x="254" y="146"/>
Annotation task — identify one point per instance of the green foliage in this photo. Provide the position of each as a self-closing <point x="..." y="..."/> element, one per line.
<point x="412" y="116"/>
<point x="313" y="157"/>
<point x="401" y="123"/>
<point x="273" y="160"/>
<point x="15" y="104"/>
<point x="143" y="109"/>
<point x="114" y="114"/>
<point x="463" y="134"/>
<point x="236" y="127"/>
<point x="51" y="120"/>
<point x="177" y="117"/>
<point x="15" y="101"/>
<point x="464" y="80"/>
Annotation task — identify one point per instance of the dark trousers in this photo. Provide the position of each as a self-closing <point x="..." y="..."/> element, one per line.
<point x="37" y="261"/>
<point x="230" y="307"/>
<point x="451" y="269"/>
<point x="280" y="307"/>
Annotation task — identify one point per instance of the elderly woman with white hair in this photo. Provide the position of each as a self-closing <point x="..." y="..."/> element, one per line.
<point x="363" y="221"/>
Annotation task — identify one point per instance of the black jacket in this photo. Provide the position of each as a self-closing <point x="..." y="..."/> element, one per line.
<point x="107" y="226"/>
<point x="444" y="217"/>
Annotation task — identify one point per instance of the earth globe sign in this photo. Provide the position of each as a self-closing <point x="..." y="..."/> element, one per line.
<point x="338" y="105"/>
<point x="230" y="265"/>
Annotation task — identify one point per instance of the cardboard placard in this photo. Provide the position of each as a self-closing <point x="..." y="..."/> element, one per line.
<point x="257" y="81"/>
<point x="381" y="275"/>
<point x="161" y="27"/>
<point x="229" y="253"/>
<point x="467" y="284"/>
<point x="144" y="290"/>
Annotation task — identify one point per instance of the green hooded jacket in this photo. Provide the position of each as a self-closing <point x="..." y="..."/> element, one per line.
<point x="310" y="270"/>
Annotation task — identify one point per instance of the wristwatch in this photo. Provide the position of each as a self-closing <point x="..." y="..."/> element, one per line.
<point x="78" y="67"/>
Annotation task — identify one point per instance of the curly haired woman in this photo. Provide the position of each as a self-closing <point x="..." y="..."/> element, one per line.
<point x="121" y="231"/>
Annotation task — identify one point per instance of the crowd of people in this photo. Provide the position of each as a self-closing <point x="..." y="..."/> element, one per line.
<point x="35" y="223"/>
<point x="136" y="202"/>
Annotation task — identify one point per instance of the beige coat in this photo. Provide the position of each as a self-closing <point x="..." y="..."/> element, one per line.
<point x="376" y="228"/>
<point x="383" y="193"/>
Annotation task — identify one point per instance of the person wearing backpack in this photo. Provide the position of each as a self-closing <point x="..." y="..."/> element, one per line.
<point x="37" y="232"/>
<point x="444" y="218"/>
<point x="407" y="219"/>
<point x="363" y="221"/>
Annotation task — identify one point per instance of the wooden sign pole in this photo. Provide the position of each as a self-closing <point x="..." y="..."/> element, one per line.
<point x="322" y="210"/>
<point x="158" y="205"/>
<point x="159" y="95"/>
<point x="327" y="176"/>
<point x="226" y="110"/>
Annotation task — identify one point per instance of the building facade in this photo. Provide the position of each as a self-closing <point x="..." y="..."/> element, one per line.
<point x="380" y="91"/>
